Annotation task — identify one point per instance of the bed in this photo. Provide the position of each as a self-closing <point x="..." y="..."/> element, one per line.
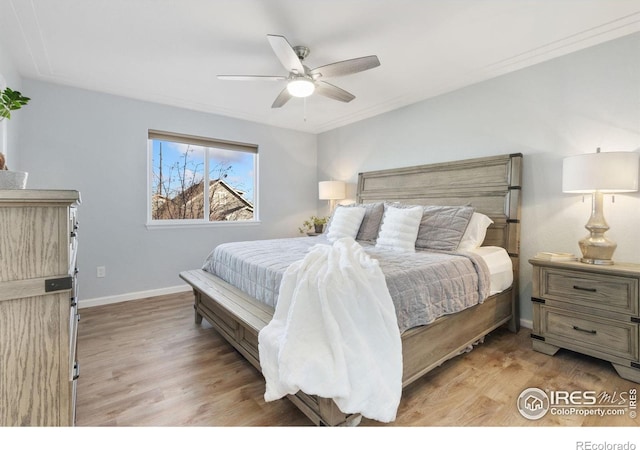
<point x="491" y="185"/>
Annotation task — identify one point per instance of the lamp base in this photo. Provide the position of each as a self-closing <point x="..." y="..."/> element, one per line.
<point x="597" y="248"/>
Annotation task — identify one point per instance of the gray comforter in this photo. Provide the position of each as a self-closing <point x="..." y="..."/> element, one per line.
<point x="424" y="285"/>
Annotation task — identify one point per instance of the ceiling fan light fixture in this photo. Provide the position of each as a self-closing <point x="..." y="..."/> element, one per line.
<point x="301" y="87"/>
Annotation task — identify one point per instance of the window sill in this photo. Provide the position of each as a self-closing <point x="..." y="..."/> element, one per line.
<point x="167" y="225"/>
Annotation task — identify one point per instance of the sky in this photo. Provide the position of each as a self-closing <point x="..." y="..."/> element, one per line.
<point x="240" y="175"/>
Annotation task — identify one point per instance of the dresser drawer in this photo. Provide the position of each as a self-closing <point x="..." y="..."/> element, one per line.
<point x="593" y="333"/>
<point x="594" y="290"/>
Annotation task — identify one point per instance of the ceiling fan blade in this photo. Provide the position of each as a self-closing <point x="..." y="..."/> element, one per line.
<point x="285" y="53"/>
<point x="334" y="92"/>
<point x="282" y="98"/>
<point x="346" y="67"/>
<point x="251" y="77"/>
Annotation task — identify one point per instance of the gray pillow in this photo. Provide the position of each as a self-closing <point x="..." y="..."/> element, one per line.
<point x="370" y="223"/>
<point x="442" y="227"/>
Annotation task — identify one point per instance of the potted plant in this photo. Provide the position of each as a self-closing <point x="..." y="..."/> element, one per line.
<point x="11" y="100"/>
<point x="313" y="223"/>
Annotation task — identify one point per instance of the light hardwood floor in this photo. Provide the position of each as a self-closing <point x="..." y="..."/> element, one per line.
<point x="146" y="363"/>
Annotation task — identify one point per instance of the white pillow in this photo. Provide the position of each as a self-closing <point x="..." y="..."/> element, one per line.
<point x="475" y="233"/>
<point x="399" y="228"/>
<point x="345" y="223"/>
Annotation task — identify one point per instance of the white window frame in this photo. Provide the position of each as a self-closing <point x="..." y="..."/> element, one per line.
<point x="208" y="143"/>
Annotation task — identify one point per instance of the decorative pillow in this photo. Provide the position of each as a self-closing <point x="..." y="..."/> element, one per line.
<point x="475" y="233"/>
<point x="371" y="222"/>
<point x="345" y="222"/>
<point x="442" y="227"/>
<point x="399" y="228"/>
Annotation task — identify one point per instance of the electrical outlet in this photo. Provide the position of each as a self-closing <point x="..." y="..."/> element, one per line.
<point x="101" y="271"/>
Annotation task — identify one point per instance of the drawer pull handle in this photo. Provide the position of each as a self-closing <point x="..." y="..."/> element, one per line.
<point x="583" y="330"/>
<point x="580" y="288"/>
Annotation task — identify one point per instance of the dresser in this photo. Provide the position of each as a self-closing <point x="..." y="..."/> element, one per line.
<point x="591" y="309"/>
<point x="38" y="307"/>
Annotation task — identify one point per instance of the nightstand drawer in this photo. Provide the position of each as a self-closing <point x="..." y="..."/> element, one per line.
<point x="600" y="335"/>
<point x="608" y="292"/>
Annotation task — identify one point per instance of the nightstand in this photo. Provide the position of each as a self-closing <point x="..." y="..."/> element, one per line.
<point x="591" y="309"/>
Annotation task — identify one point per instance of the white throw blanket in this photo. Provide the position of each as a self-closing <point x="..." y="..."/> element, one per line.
<point x="335" y="333"/>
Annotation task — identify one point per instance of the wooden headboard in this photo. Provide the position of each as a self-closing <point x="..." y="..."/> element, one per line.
<point x="491" y="184"/>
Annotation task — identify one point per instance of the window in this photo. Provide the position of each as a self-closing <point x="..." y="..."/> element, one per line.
<point x="186" y="170"/>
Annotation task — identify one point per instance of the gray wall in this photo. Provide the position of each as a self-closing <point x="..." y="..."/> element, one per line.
<point x="9" y="129"/>
<point x="566" y="106"/>
<point x="97" y="144"/>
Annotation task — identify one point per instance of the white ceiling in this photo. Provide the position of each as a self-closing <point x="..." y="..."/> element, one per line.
<point x="170" y="51"/>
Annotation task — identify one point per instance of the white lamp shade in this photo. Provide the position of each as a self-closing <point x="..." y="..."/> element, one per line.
<point x="604" y="172"/>
<point x="332" y="190"/>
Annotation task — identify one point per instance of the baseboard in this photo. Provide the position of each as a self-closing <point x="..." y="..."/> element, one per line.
<point x="87" y="303"/>
<point x="526" y="323"/>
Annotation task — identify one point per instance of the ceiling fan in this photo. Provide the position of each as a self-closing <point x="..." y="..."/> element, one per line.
<point x="302" y="81"/>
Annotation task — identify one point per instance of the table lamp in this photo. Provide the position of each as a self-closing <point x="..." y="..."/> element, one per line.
<point x="597" y="174"/>
<point x="332" y="190"/>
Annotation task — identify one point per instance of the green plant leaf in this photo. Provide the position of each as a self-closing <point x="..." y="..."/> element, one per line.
<point x="11" y="100"/>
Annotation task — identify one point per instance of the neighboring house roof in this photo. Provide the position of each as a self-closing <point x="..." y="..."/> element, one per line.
<point x="192" y="199"/>
<point x="237" y="193"/>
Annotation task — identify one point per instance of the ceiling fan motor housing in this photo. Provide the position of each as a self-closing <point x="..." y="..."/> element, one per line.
<point x="301" y="51"/>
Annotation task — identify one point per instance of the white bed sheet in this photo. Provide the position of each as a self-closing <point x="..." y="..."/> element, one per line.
<point x="500" y="267"/>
